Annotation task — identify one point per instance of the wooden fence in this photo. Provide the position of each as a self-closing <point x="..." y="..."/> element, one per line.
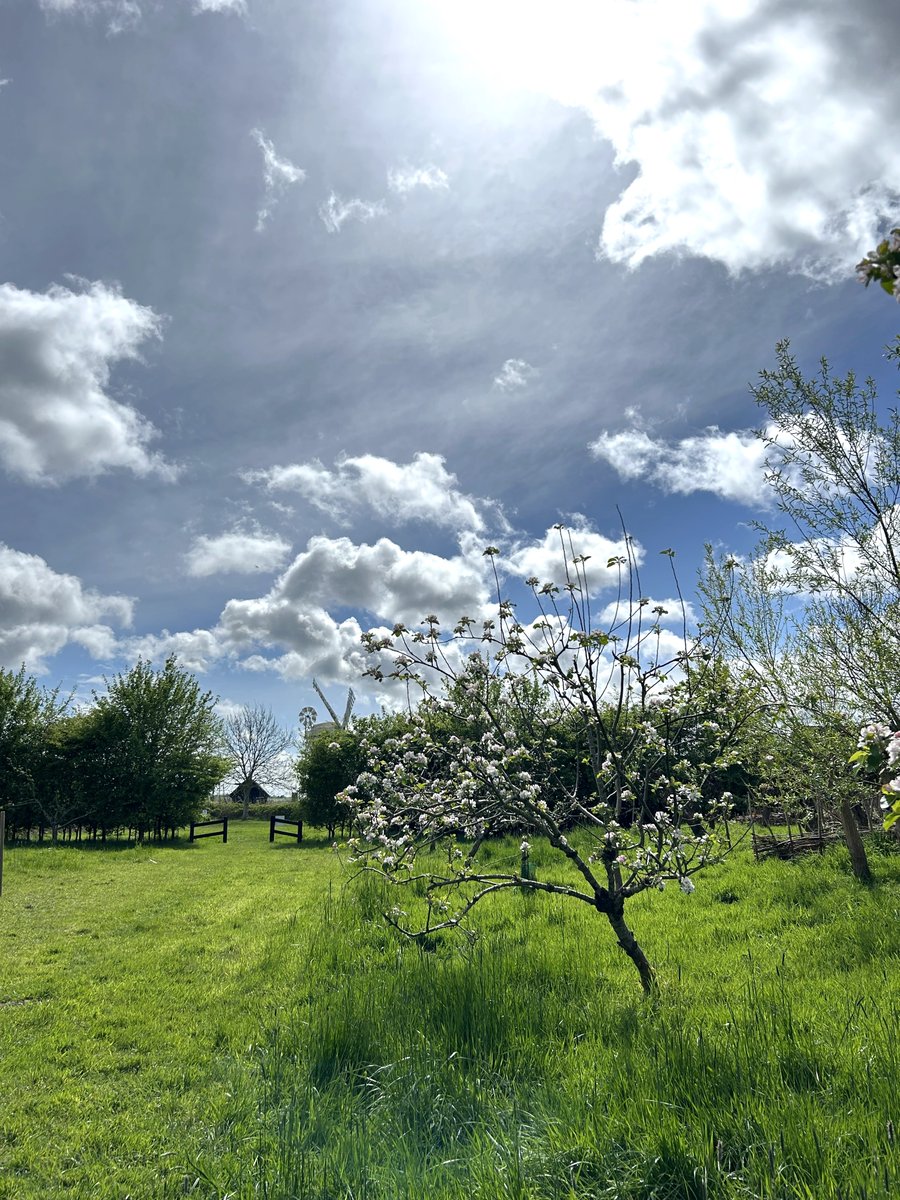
<point x="222" y="833"/>
<point x="295" y="831"/>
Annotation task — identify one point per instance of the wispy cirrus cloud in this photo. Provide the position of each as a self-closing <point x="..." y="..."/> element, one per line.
<point x="217" y="6"/>
<point x="335" y="212"/>
<point x="278" y="175"/>
<point x="403" y="180"/>
<point x="120" y="15"/>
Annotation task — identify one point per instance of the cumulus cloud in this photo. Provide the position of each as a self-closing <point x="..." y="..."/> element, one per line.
<point x="240" y="550"/>
<point x="41" y="611"/>
<point x="403" y="180"/>
<point x="278" y="173"/>
<point x="671" y="611"/>
<point x="391" y="584"/>
<point x="420" y="490"/>
<point x="730" y="465"/>
<point x="57" y="419"/>
<point x="547" y="560"/>
<point x="755" y="132"/>
<point x="514" y="375"/>
<point x="196" y="649"/>
<point x="382" y="579"/>
<point x="335" y="211"/>
<point x="762" y="132"/>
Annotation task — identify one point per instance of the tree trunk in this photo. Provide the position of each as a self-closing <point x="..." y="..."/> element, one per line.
<point x="858" y="859"/>
<point x="246" y="798"/>
<point x="629" y="944"/>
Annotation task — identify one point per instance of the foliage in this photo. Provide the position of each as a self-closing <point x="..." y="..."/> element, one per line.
<point x="639" y="786"/>
<point x="882" y="265"/>
<point x="255" y="746"/>
<point x="157" y="737"/>
<point x="815" y="613"/>
<point x="327" y="764"/>
<point x="27" y="712"/>
<point x="878" y="753"/>
<point x="834" y="474"/>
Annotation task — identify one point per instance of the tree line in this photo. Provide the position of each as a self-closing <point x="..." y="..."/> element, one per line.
<point x="143" y="758"/>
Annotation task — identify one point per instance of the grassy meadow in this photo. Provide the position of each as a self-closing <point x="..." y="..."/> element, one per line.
<point x="234" y="1021"/>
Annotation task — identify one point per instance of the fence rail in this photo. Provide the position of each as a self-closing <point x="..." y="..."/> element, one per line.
<point x="222" y="833"/>
<point x="296" y="830"/>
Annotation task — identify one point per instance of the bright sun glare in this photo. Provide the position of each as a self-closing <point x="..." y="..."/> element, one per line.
<point x="561" y="49"/>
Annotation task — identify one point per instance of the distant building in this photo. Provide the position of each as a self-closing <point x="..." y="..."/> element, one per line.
<point x="257" y="793"/>
<point x="320" y="728"/>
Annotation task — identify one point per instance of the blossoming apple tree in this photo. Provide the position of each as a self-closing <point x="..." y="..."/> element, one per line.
<point x="599" y="743"/>
<point x="878" y="753"/>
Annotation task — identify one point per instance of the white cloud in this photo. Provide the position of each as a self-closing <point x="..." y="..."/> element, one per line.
<point x="420" y="490"/>
<point x="335" y="211"/>
<point x="676" y="613"/>
<point x="196" y="649"/>
<point x="41" y="611"/>
<point x="383" y="579"/>
<point x="546" y="560"/>
<point x="240" y="550"/>
<point x="216" y="6"/>
<point x="57" y="420"/>
<point x="278" y="173"/>
<point x="293" y="618"/>
<point x="730" y="465"/>
<point x="121" y="15"/>
<point x="403" y="180"/>
<point x="762" y="132"/>
<point x="514" y="375"/>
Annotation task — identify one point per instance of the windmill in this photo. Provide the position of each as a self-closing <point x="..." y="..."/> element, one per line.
<point x="307" y="719"/>
<point x="335" y="722"/>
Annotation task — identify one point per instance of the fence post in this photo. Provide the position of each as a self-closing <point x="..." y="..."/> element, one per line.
<point x="225" y="831"/>
<point x="272" y="828"/>
<point x="2" y="840"/>
<point x="192" y="831"/>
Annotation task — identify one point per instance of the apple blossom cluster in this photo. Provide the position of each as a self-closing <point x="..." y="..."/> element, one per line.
<point x="882" y="265"/>
<point x="878" y="752"/>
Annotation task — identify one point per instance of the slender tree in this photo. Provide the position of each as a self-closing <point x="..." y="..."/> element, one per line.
<point x="815" y="614"/>
<point x="256" y="747"/>
<point x="634" y="814"/>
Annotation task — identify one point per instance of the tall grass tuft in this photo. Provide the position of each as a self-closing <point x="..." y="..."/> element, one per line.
<point x="525" y="1066"/>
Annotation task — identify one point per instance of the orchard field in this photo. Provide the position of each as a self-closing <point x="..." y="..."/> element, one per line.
<point x="236" y="1021"/>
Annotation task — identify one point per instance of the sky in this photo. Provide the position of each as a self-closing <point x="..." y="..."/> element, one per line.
<point x="303" y="305"/>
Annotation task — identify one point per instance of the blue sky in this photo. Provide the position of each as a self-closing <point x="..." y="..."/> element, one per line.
<point x="304" y="304"/>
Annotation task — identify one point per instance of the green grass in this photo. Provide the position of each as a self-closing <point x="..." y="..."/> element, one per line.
<point x="230" y="1021"/>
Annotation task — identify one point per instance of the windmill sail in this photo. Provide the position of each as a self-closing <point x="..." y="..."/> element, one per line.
<point x="338" y="723"/>
<point x="324" y="700"/>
